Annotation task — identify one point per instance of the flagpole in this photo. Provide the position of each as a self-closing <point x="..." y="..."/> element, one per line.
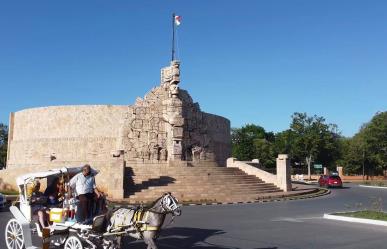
<point x="173" y="36"/>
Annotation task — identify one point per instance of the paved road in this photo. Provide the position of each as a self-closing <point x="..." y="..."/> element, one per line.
<point x="278" y="225"/>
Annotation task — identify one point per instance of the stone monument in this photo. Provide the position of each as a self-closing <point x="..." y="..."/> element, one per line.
<point x="164" y="128"/>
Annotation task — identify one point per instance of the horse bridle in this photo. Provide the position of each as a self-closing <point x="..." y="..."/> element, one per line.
<point x="165" y="209"/>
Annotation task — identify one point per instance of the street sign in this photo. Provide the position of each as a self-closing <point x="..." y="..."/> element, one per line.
<point x="318" y="166"/>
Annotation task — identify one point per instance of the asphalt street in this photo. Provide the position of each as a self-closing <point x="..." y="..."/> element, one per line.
<point x="277" y="225"/>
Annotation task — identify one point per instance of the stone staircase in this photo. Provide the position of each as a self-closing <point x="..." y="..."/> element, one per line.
<point x="204" y="182"/>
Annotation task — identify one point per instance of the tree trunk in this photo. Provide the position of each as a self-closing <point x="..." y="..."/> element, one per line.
<point x="308" y="161"/>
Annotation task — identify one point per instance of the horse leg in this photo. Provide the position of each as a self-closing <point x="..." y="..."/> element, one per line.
<point x="151" y="244"/>
<point x="118" y="242"/>
<point x="148" y="239"/>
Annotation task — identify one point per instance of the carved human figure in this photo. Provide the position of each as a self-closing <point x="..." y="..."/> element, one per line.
<point x="177" y="149"/>
<point x="175" y="72"/>
<point x="196" y="152"/>
<point x="163" y="154"/>
<point x="145" y="153"/>
<point x="132" y="153"/>
<point x="155" y="152"/>
<point x="171" y="74"/>
<point x="174" y="90"/>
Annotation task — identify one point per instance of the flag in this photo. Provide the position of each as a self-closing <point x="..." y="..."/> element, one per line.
<point x="177" y="20"/>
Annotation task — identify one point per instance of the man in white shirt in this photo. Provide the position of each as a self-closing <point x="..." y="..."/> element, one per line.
<point x="84" y="185"/>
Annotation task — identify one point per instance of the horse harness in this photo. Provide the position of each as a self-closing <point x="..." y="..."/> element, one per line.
<point x="140" y="218"/>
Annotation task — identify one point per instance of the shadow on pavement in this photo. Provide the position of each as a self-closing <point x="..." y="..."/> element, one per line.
<point x="341" y="188"/>
<point x="183" y="237"/>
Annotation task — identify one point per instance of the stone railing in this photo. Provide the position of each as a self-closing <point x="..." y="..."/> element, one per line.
<point x="282" y="179"/>
<point x="261" y="167"/>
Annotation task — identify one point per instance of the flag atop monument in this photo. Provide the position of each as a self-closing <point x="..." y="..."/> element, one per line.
<point x="177" y="20"/>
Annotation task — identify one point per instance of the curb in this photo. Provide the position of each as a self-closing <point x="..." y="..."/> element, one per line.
<point x="355" y="220"/>
<point x="370" y="186"/>
<point x="304" y="182"/>
<point x="313" y="194"/>
<point x="318" y="192"/>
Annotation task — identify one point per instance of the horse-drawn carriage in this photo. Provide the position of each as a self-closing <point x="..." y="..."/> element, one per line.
<point x="105" y="230"/>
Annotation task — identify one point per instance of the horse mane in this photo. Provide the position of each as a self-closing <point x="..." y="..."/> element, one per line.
<point x="152" y="204"/>
<point x="146" y="207"/>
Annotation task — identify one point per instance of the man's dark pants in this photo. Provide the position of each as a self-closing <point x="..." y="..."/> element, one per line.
<point x="86" y="205"/>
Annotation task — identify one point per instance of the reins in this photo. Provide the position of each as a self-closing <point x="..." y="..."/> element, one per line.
<point x="145" y="227"/>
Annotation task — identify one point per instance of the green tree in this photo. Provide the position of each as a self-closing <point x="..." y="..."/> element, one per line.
<point x="352" y="152"/>
<point x="251" y="141"/>
<point x="3" y="144"/>
<point x="374" y="135"/>
<point x="368" y="148"/>
<point x="264" y="150"/>
<point x="313" y="140"/>
<point x="284" y="141"/>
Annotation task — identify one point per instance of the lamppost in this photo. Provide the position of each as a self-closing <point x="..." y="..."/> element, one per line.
<point x="363" y="161"/>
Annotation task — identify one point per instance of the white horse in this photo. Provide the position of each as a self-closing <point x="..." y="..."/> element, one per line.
<point x="143" y="223"/>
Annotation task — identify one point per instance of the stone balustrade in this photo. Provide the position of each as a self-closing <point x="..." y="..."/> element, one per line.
<point x="282" y="179"/>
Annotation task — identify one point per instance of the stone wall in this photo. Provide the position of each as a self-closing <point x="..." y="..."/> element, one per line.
<point x="219" y="132"/>
<point x="109" y="179"/>
<point x="66" y="134"/>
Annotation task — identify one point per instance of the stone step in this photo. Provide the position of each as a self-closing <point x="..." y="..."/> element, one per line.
<point x="211" y="184"/>
<point x="200" y="183"/>
<point x="215" y="180"/>
<point x="182" y="170"/>
<point x="187" y="198"/>
<point x="208" y="189"/>
<point x="191" y="176"/>
<point x="200" y="193"/>
<point x="205" y="189"/>
<point x="185" y="192"/>
<point x="204" y="186"/>
<point x="188" y="173"/>
<point x="195" y="184"/>
<point x="187" y="177"/>
<point x="201" y="197"/>
<point x="227" y="170"/>
<point x="192" y="179"/>
<point x="239" y="191"/>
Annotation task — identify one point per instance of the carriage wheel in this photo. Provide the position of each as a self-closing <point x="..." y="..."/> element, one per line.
<point x="14" y="235"/>
<point x="73" y="242"/>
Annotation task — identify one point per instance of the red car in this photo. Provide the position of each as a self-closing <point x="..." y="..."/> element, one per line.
<point x="330" y="181"/>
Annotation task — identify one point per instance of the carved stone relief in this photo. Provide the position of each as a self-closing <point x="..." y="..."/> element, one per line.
<point x="167" y="125"/>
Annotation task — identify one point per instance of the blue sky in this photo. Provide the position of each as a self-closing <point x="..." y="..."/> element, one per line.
<point x="250" y="61"/>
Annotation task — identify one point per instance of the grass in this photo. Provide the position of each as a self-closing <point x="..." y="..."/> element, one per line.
<point x="366" y="214"/>
<point x="376" y="183"/>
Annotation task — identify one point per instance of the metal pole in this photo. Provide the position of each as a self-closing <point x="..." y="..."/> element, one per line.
<point x="173" y="36"/>
<point x="363" y="163"/>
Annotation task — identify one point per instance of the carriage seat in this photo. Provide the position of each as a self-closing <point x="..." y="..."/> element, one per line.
<point x="100" y="223"/>
<point x="59" y="230"/>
